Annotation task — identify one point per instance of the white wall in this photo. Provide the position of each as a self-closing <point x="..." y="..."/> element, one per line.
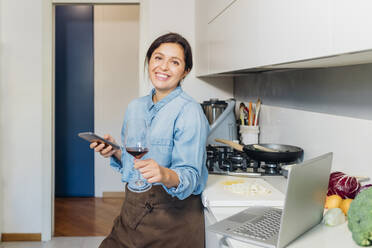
<point x="350" y="139"/>
<point x="1" y="128"/>
<point x="21" y="115"/>
<point x="116" y="52"/>
<point x="26" y="100"/>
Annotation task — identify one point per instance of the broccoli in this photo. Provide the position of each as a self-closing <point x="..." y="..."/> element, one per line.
<point x="360" y="218"/>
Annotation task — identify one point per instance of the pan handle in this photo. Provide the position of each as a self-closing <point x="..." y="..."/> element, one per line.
<point x="231" y="144"/>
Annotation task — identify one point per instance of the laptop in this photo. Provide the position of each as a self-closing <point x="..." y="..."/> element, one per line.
<point x="303" y="208"/>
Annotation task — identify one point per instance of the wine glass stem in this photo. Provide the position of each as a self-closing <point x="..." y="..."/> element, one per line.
<point x="138" y="174"/>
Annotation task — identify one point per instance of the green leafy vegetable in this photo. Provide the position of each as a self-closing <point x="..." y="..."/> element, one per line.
<point x="360" y="218"/>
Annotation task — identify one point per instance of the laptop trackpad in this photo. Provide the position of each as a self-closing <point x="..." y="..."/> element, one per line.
<point x="242" y="217"/>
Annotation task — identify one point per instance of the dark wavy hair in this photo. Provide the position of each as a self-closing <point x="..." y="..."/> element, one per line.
<point x="172" y="38"/>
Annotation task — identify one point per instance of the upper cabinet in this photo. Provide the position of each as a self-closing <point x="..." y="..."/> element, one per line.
<point x="205" y="12"/>
<point x="350" y="25"/>
<point x="260" y="35"/>
<point x="216" y="7"/>
<point x="201" y="45"/>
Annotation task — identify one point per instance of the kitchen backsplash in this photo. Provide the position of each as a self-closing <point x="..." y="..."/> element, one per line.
<point x="320" y="110"/>
<point x="344" y="91"/>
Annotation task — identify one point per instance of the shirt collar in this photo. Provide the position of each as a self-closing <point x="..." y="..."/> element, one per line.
<point x="157" y="106"/>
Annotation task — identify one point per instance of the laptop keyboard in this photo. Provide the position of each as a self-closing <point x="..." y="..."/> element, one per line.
<point x="263" y="227"/>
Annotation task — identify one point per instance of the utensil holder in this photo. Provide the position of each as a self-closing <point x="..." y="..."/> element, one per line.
<point x="249" y="134"/>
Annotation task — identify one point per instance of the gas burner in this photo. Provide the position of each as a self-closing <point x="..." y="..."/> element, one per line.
<point x="271" y="169"/>
<point x="235" y="162"/>
<point x="227" y="167"/>
<point x="223" y="159"/>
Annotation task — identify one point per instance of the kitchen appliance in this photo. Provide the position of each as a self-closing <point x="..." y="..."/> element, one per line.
<point x="213" y="109"/>
<point x="273" y="153"/>
<point x="229" y="161"/>
<point x="221" y="118"/>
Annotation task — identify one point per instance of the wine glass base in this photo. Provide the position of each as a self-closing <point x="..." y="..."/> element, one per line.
<point x="139" y="186"/>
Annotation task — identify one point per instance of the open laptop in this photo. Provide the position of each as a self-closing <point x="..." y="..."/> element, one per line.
<point x="303" y="208"/>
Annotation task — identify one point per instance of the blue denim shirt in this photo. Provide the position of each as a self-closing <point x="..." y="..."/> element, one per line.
<point x="178" y="135"/>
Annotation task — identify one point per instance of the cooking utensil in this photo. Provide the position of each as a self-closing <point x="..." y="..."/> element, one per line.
<point x="230" y="143"/>
<point x="239" y="147"/>
<point x="250" y="117"/>
<point x="284" y="154"/>
<point x="241" y="110"/>
<point x="281" y="153"/>
<point x="265" y="149"/>
<point x="258" y="107"/>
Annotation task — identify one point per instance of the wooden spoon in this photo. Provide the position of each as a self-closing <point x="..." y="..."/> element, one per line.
<point x="239" y="147"/>
<point x="264" y="149"/>
<point x="258" y="107"/>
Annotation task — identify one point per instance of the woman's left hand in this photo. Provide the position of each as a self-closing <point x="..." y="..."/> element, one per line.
<point x="155" y="173"/>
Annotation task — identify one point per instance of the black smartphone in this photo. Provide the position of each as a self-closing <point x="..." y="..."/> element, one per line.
<point x="92" y="137"/>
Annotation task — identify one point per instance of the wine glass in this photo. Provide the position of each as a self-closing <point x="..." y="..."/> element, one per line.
<point x="136" y="144"/>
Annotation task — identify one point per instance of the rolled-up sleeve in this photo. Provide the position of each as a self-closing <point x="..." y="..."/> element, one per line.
<point x="188" y="154"/>
<point x="115" y="163"/>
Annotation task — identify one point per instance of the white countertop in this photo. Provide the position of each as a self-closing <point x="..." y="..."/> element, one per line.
<point x="320" y="236"/>
<point x="217" y="193"/>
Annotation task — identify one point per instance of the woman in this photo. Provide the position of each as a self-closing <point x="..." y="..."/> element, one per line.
<point x="170" y="214"/>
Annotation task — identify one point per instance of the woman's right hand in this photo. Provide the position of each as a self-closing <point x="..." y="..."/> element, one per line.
<point x="106" y="151"/>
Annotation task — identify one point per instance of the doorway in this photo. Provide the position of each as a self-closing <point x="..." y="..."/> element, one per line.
<point x="74" y="100"/>
<point x="100" y="53"/>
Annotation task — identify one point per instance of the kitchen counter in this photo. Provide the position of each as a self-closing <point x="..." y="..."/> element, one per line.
<point x="319" y="236"/>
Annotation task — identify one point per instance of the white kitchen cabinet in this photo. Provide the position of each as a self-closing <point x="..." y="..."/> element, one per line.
<point x="253" y="35"/>
<point x="351" y="23"/>
<point x="213" y="240"/>
<point x="216" y="7"/>
<point x="256" y="33"/>
<point x="232" y="40"/>
<point x="205" y="12"/>
<point x="201" y="37"/>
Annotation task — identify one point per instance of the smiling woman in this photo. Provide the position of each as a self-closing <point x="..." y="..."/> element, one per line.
<point x="167" y="68"/>
<point x="170" y="60"/>
<point x="170" y="214"/>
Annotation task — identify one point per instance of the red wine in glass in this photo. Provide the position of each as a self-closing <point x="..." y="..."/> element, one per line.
<point x="137" y="152"/>
<point x="136" y="142"/>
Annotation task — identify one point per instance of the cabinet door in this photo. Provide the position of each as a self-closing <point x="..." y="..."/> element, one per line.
<point x="213" y="240"/>
<point x="233" y="39"/>
<point x="216" y="7"/>
<point x="351" y="21"/>
<point x="256" y="33"/>
<point x="201" y="38"/>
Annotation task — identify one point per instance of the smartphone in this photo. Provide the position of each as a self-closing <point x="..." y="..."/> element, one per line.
<point x="92" y="137"/>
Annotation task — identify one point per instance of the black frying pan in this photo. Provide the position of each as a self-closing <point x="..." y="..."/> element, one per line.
<point x="274" y="153"/>
<point x="280" y="153"/>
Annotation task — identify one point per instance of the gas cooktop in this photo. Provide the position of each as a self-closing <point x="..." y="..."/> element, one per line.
<point x="225" y="160"/>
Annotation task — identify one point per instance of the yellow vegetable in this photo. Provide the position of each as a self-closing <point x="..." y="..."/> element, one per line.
<point x="333" y="201"/>
<point x="345" y="205"/>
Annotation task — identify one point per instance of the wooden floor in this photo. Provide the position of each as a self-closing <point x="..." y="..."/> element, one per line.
<point x="85" y="216"/>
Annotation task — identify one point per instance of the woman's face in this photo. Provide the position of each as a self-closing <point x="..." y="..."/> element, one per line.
<point x="167" y="67"/>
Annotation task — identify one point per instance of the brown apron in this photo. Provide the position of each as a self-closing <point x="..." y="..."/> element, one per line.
<point x="154" y="219"/>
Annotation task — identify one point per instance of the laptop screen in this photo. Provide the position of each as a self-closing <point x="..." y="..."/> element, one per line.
<point x="305" y="197"/>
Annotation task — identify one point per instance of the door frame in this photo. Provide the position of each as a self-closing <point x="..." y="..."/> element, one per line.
<point x="48" y="101"/>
